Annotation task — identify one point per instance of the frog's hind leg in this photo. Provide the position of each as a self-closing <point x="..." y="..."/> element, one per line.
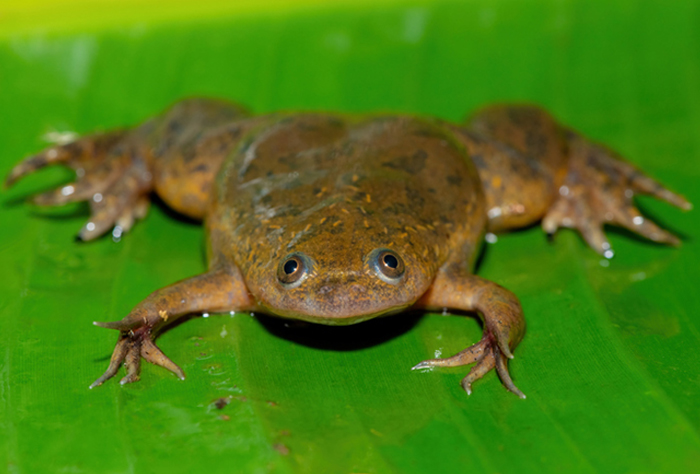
<point x="533" y="168"/>
<point x="176" y="154"/>
<point x="599" y="189"/>
<point x="110" y="175"/>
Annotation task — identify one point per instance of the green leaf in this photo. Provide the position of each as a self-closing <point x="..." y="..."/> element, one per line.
<point x="609" y="363"/>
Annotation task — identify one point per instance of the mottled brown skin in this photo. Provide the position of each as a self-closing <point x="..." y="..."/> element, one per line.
<point x="375" y="214"/>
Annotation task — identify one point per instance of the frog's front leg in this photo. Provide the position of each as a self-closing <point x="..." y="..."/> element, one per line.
<point x="504" y="325"/>
<point x="215" y="291"/>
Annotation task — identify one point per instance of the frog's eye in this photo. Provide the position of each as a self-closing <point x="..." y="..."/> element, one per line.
<point x="387" y="265"/>
<point x="292" y="269"/>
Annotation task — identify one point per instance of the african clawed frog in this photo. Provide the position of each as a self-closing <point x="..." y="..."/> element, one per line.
<point x="336" y="219"/>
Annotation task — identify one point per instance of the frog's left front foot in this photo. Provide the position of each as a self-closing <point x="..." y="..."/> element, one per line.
<point x="487" y="355"/>
<point x="599" y="190"/>
<point x="504" y="325"/>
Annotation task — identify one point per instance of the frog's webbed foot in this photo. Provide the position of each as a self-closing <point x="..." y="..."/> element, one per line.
<point x="111" y="175"/>
<point x="487" y="355"/>
<point x="504" y="325"/>
<point x="598" y="190"/>
<point x="133" y="345"/>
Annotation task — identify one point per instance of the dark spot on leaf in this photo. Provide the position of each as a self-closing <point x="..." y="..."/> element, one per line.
<point x="281" y="448"/>
<point x="220" y="403"/>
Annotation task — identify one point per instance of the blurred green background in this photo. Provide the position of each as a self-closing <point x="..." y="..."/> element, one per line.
<point x="610" y="361"/>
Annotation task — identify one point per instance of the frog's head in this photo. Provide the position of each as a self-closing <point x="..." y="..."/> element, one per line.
<point x="341" y="278"/>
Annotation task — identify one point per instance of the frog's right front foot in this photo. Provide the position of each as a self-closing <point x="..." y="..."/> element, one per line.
<point x="134" y="344"/>
<point x="219" y="290"/>
<point x="111" y="175"/>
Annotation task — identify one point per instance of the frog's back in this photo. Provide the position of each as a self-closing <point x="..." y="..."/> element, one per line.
<point x="336" y="188"/>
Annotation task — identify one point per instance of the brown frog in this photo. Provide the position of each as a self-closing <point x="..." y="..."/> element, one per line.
<point x="336" y="219"/>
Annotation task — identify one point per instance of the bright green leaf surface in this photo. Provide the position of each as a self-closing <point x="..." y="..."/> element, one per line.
<point x="609" y="363"/>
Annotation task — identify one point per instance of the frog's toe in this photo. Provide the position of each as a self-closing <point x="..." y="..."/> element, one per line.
<point x="33" y="163"/>
<point x="82" y="189"/>
<point x="492" y="359"/>
<point x="573" y="211"/>
<point x="501" y="361"/>
<point x="138" y="210"/>
<point x="63" y="154"/>
<point x="643" y="184"/>
<point x="118" y="206"/>
<point x="153" y="354"/>
<point x="467" y="356"/>
<point x="133" y="345"/>
<point x="118" y="356"/>
<point x="118" y="213"/>
<point x="484" y="366"/>
<point x="630" y="218"/>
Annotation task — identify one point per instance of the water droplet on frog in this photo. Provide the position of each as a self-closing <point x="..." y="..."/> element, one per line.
<point x="117" y="233"/>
